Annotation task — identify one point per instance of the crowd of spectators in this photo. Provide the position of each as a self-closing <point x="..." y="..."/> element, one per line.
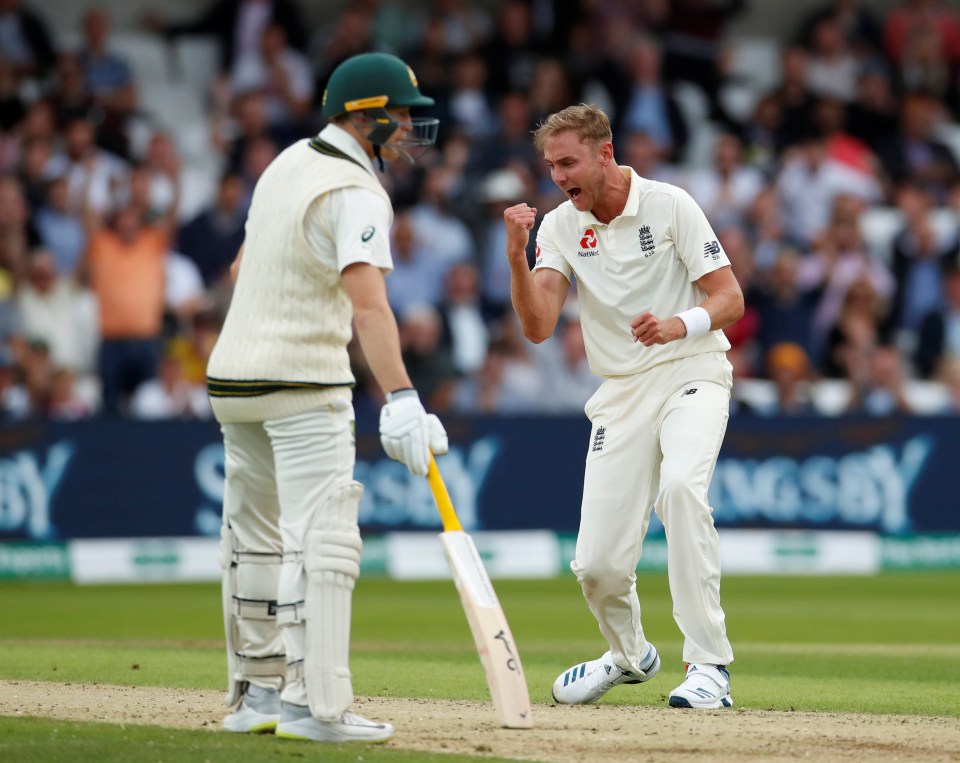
<point x="114" y="266"/>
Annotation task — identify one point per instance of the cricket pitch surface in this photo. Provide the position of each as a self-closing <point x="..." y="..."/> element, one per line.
<point x="561" y="734"/>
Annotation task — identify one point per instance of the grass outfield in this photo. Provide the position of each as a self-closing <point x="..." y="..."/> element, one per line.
<point x="885" y="644"/>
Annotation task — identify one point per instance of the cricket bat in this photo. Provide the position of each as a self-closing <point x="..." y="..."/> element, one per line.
<point x="491" y="633"/>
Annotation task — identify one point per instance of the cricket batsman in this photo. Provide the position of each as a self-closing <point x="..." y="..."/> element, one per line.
<point x="314" y="259"/>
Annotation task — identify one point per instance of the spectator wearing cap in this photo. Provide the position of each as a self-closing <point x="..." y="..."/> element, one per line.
<point x="788" y="367"/>
<point x="500" y="189"/>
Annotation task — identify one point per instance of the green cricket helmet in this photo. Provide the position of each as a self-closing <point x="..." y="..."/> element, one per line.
<point x="371" y="83"/>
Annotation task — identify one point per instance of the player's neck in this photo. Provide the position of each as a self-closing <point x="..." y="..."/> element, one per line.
<point x="611" y="202"/>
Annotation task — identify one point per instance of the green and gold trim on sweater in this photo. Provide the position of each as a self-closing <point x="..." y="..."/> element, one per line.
<point x="258" y="387"/>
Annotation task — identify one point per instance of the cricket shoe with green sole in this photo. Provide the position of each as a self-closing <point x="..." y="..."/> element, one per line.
<point x="588" y="681"/>
<point x="296" y="722"/>
<point x="258" y="712"/>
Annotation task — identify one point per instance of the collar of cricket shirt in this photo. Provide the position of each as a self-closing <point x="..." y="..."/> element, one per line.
<point x="339" y="138"/>
<point x="630" y="208"/>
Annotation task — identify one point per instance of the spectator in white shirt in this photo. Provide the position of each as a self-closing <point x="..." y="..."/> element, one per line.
<point x="170" y="395"/>
<point x="57" y="310"/>
<point x="809" y="182"/>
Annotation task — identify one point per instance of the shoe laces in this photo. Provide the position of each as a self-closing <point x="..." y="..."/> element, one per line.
<point x="352" y="719"/>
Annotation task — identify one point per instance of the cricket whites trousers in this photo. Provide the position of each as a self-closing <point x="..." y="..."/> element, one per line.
<point x="279" y="476"/>
<point x="654" y="443"/>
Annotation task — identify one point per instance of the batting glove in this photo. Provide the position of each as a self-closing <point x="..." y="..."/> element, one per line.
<point x="408" y="434"/>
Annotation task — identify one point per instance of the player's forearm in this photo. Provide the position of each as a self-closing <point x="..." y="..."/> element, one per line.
<point x="379" y="339"/>
<point x="531" y="306"/>
<point x="724" y="307"/>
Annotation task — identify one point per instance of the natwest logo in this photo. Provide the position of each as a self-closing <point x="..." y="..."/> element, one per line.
<point x="589" y="240"/>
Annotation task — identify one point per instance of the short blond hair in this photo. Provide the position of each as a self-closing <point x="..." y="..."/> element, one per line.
<point x="589" y="122"/>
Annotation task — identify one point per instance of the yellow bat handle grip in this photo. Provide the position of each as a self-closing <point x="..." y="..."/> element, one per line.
<point x="447" y="513"/>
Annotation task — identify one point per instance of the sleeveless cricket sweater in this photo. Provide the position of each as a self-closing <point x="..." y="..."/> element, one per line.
<point x="283" y="346"/>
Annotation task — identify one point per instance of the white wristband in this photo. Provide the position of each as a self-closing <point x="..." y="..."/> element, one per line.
<point x="697" y="320"/>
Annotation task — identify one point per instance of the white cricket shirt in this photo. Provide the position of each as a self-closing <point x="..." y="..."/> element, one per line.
<point x="644" y="260"/>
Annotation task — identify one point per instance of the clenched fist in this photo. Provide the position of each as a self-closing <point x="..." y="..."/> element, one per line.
<point x="520" y="220"/>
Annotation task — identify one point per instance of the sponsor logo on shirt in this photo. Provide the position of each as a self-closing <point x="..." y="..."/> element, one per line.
<point x="647" y="244"/>
<point x="539" y="257"/>
<point x="712" y="250"/>
<point x="367" y="233"/>
<point x="588" y="244"/>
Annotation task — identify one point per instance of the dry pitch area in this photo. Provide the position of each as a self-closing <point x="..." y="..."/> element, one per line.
<point x="562" y="734"/>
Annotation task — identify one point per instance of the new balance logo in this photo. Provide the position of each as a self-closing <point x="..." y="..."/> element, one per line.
<point x="598" y="437"/>
<point x="712" y="250"/>
<point x="690" y="391"/>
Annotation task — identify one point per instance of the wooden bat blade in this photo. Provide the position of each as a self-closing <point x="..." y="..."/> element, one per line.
<point x="491" y="633"/>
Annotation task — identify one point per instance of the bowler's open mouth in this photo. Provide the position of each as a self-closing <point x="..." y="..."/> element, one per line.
<point x="573" y="193"/>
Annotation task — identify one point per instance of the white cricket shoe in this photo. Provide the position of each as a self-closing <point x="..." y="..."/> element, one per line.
<point x="296" y="722"/>
<point x="589" y="681"/>
<point x="257" y="713"/>
<point x="706" y="687"/>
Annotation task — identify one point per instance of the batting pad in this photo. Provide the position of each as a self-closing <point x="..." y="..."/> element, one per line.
<point x="249" y="591"/>
<point x="332" y="565"/>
